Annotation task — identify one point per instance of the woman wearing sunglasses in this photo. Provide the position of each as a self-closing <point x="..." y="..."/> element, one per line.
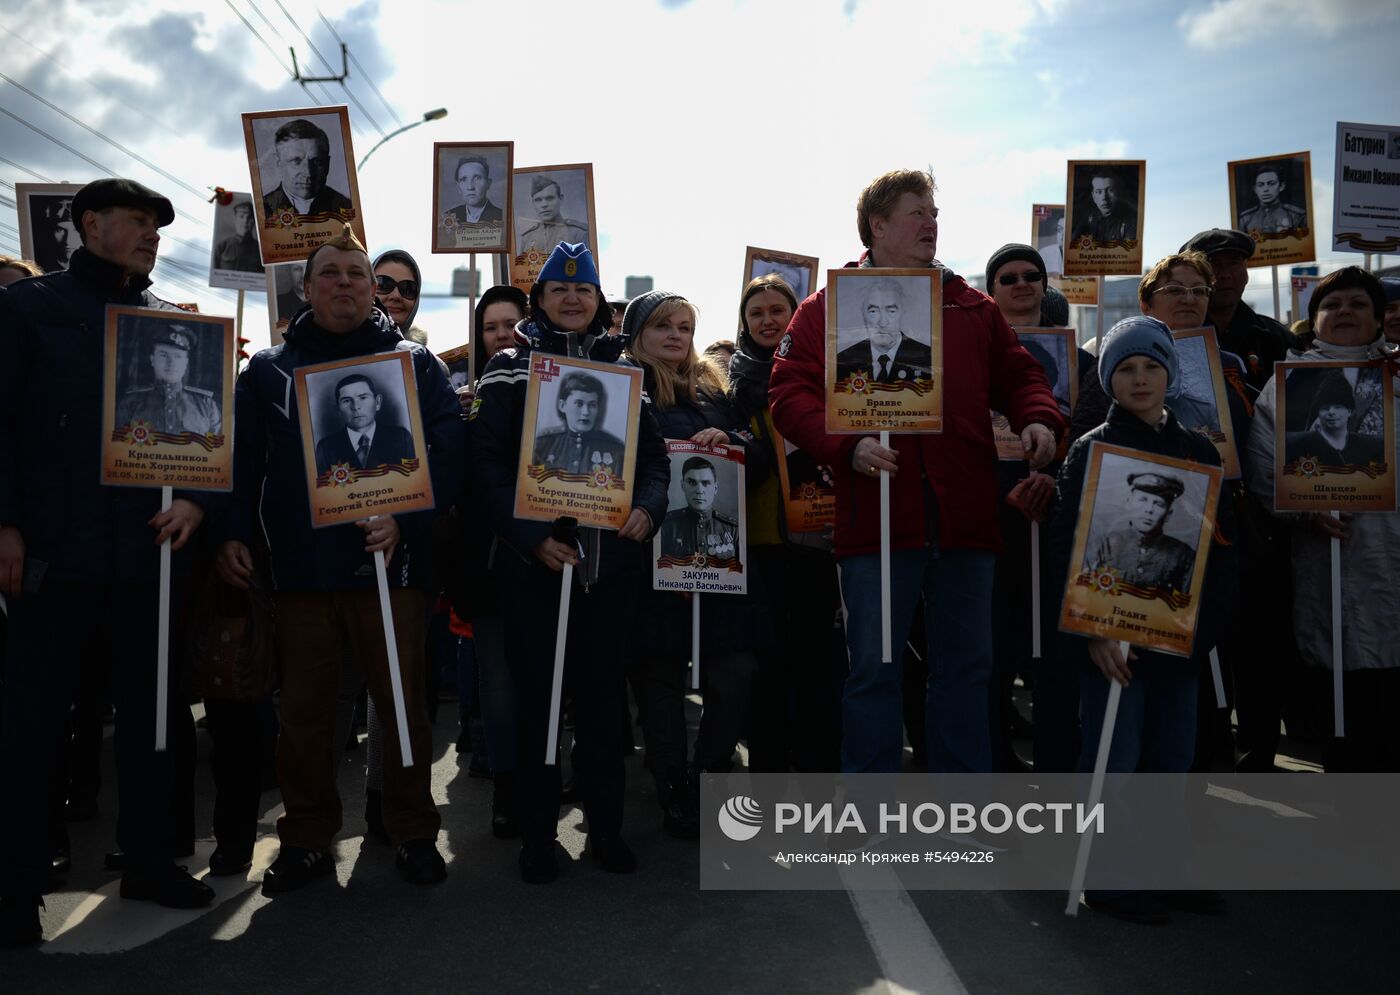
<point x="397" y="284"/>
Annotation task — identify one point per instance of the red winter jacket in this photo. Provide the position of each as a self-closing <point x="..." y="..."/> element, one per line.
<point x="945" y="490"/>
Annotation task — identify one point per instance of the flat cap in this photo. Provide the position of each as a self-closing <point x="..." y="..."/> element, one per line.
<point x="1220" y="240"/>
<point x="1161" y="484"/>
<point x="102" y="194"/>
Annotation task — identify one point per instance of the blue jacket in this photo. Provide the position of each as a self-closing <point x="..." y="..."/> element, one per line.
<point x="52" y="334"/>
<point x="269" y="475"/>
<point x="497" y="422"/>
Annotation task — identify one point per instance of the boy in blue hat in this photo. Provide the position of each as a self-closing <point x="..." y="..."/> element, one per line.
<point x="569" y="316"/>
<point x="1156" y="725"/>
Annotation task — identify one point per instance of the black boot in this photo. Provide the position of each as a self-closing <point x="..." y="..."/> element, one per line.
<point x="679" y="816"/>
<point x="503" y="824"/>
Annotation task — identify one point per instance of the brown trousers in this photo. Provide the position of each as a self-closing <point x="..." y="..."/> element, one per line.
<point x="315" y="629"/>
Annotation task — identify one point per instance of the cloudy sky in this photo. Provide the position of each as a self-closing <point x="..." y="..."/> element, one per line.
<point x="711" y="124"/>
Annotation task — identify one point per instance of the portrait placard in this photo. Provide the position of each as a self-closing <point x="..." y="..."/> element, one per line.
<point x="48" y="232"/>
<point x="884" y="350"/>
<point x="459" y="366"/>
<point x="1301" y="288"/>
<point x="578" y="448"/>
<point x="472" y="196"/>
<point x="1201" y="405"/>
<point x="167" y="400"/>
<point x="552" y="204"/>
<point x="1104" y="216"/>
<point x="798" y="272"/>
<point x="235" y="260"/>
<point x="809" y="489"/>
<point x="304" y="185"/>
<point x="1048" y="236"/>
<point x="362" y="438"/>
<point x="703" y="541"/>
<point x="1271" y="200"/>
<point x="286" y="294"/>
<point x="1366" y="188"/>
<point x="1334" y="438"/>
<point x="1140" y="546"/>
<point x="1057" y="351"/>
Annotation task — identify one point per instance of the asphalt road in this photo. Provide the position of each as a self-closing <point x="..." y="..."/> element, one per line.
<point x="655" y="931"/>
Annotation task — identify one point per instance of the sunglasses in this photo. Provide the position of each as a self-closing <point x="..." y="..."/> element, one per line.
<point x="408" y="289"/>
<point x="1011" y="279"/>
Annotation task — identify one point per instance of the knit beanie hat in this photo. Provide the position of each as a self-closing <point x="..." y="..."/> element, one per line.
<point x="641" y="309"/>
<point x="1139" y="335"/>
<point x="1010" y="253"/>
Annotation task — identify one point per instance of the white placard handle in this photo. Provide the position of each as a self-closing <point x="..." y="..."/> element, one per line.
<point x="1086" y="839"/>
<point x="391" y="646"/>
<point x="561" y="640"/>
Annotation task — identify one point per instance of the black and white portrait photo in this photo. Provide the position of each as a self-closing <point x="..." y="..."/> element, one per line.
<point x="459" y="366"/>
<point x="303" y="179"/>
<point x="884" y="330"/>
<point x="1048" y="229"/>
<point x="235" y="260"/>
<point x="359" y="417"/>
<point x="1054" y="351"/>
<point x="1334" y="417"/>
<point x="471" y="196"/>
<point x="1106" y="200"/>
<point x="1146" y="523"/>
<point x="798" y="272"/>
<point x="1271" y="196"/>
<point x="1194" y="404"/>
<point x="702" y="513"/>
<point x="286" y="294"/>
<point x="552" y="204"/>
<point x="170" y="374"/>
<point x="48" y="232"/>
<point x="581" y="424"/>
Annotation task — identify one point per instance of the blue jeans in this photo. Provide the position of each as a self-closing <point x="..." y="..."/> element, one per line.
<point x="1155" y="731"/>
<point x="497" y="689"/>
<point x="957" y="589"/>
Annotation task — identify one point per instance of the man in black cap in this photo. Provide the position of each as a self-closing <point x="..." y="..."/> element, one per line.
<point x="169" y="404"/>
<point x="79" y="562"/>
<point x="1141" y="553"/>
<point x="1328" y="439"/>
<point x="698" y="528"/>
<point x="552" y="227"/>
<point x="1260" y="340"/>
<point x="302" y="154"/>
<point x="239" y="251"/>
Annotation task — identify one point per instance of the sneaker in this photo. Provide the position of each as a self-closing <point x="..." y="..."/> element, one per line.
<point x="19" y="920"/>
<point x="296" y="867"/>
<point x="1135" y="906"/>
<point x="615" y="856"/>
<point x="1202" y="902"/>
<point x="419" y="862"/>
<point x="538" y="865"/>
<point x="170" y="886"/>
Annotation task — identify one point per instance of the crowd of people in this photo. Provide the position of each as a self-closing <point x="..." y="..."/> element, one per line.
<point x="794" y="668"/>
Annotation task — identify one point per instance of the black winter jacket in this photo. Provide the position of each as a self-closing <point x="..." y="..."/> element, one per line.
<point x="269" y="492"/>
<point x="52" y="334"/>
<point x="1221" y="588"/>
<point x="496" y="425"/>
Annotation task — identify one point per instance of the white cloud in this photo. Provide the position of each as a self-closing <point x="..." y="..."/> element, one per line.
<point x="1226" y="23"/>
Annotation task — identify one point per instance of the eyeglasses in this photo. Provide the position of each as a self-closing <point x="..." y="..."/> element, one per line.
<point x="1011" y="279"/>
<point x="408" y="289"/>
<point x="1176" y="291"/>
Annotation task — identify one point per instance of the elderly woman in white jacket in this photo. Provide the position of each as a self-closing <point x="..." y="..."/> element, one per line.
<point x="1346" y="312"/>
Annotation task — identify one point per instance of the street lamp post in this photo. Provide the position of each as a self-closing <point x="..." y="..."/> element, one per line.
<point x="436" y="115"/>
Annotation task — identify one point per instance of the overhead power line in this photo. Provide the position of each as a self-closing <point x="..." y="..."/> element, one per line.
<point x="258" y="35"/>
<point x="364" y="73"/>
<point x="329" y="68"/>
<point x="38" y="176"/>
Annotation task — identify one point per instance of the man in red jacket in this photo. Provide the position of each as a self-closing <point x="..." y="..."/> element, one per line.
<point x="943" y="495"/>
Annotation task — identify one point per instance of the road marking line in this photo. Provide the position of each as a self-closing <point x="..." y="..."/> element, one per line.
<point x="910" y="956"/>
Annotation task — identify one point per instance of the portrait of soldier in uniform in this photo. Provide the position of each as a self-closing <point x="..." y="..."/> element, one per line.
<point x="239" y="250"/>
<point x="697" y="527"/>
<point x="55" y="235"/>
<point x="1106" y="210"/>
<point x="549" y="227"/>
<point x="887" y="354"/>
<point x="291" y="290"/>
<point x="168" y="404"/>
<point x="580" y="443"/>
<point x="302" y="159"/>
<point x="1330" y="438"/>
<point x="1271" y="213"/>
<point x="1139" y="550"/>
<point x="361" y="440"/>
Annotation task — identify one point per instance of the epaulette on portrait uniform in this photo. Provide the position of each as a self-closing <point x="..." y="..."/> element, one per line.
<point x="199" y="390"/>
<point x="726" y="520"/>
